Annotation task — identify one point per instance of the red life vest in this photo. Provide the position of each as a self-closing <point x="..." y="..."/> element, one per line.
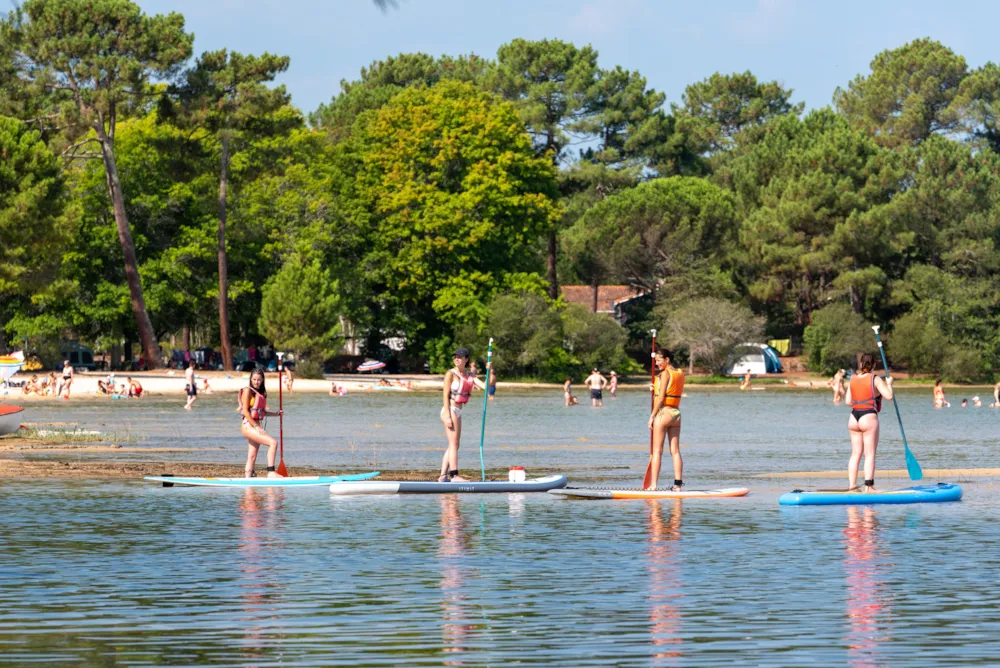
<point x="257" y="407"/>
<point x="462" y="394"/>
<point x="863" y="393"/>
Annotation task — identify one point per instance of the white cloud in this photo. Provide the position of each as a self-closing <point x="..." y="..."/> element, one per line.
<point x="767" y="18"/>
<point x="602" y="17"/>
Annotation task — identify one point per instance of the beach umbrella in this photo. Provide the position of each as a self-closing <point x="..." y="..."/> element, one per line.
<point x="371" y="365"/>
<point x="10" y="364"/>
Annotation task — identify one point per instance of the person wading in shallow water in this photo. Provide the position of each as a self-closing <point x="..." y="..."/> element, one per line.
<point x="596" y="382"/>
<point x="457" y="391"/>
<point x="665" y="421"/>
<point x="864" y="396"/>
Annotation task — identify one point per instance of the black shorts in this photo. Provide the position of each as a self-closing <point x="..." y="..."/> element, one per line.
<point x="596" y="394"/>
<point x="192" y="390"/>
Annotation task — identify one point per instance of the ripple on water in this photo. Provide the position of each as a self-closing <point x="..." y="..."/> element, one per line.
<point x="130" y="573"/>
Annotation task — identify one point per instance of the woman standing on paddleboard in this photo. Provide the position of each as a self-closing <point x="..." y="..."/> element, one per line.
<point x="665" y="419"/>
<point x="458" y="384"/>
<point x="864" y="396"/>
<point x="253" y="406"/>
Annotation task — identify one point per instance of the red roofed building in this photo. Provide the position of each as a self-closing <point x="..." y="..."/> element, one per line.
<point x="609" y="299"/>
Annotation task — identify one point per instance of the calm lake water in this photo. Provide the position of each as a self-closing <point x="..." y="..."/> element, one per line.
<point x="129" y="573"/>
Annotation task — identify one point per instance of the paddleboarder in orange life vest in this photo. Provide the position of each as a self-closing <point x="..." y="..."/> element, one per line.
<point x="864" y="396"/>
<point x="253" y="406"/>
<point x="665" y="420"/>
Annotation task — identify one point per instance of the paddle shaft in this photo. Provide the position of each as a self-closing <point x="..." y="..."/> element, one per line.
<point x="486" y="398"/>
<point x="912" y="466"/>
<point x="652" y="398"/>
<point x="281" y="470"/>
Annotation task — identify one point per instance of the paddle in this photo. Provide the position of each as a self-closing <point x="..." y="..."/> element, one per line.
<point x="912" y="465"/>
<point x="486" y="398"/>
<point x="652" y="398"/>
<point x="281" y="470"/>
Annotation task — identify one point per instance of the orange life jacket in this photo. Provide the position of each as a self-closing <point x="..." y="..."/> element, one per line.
<point x="675" y="388"/>
<point x="863" y="393"/>
<point x="257" y="407"/>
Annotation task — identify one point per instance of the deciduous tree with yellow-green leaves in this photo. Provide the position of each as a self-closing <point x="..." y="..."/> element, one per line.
<point x="454" y="201"/>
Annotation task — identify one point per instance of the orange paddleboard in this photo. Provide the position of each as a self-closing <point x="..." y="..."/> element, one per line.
<point x="597" y="493"/>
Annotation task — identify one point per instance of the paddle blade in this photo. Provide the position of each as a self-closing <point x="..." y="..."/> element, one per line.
<point x="648" y="478"/>
<point x="912" y="465"/>
<point x="281" y="470"/>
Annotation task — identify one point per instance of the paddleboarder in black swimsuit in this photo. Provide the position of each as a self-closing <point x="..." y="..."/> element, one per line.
<point x="864" y="396"/>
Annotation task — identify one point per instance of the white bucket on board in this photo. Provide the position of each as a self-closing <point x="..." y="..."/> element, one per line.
<point x="516" y="474"/>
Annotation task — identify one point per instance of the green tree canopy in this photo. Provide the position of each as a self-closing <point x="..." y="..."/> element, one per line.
<point x="301" y="311"/>
<point x="668" y="234"/>
<point x="95" y="60"/>
<point x="383" y="79"/>
<point x="225" y="94"/>
<point x="908" y="95"/>
<point x="726" y="109"/>
<point x="453" y="201"/>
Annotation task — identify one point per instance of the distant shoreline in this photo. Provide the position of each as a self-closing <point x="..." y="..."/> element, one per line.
<point x="172" y="383"/>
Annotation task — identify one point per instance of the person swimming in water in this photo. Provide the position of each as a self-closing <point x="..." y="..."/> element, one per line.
<point x="665" y="420"/>
<point x="456" y="392"/>
<point x="864" y="397"/>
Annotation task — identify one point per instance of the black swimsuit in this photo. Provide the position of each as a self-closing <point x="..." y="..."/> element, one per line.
<point x="860" y="414"/>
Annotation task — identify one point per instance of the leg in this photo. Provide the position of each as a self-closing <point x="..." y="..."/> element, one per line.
<point x="251" y="458"/>
<point x="674" y="433"/>
<point x="454" y="450"/>
<point x="449" y="462"/>
<point x="870" y="427"/>
<point x="656" y="456"/>
<point x="857" y="447"/>
<point x="255" y="439"/>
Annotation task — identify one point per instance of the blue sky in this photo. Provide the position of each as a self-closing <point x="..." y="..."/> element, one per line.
<point x="812" y="47"/>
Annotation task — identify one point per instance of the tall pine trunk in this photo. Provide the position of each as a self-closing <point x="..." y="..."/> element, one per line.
<point x="147" y="337"/>
<point x="553" y="281"/>
<point x="227" y="357"/>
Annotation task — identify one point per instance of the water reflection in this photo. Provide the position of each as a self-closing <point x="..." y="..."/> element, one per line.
<point x="868" y="596"/>
<point x="456" y="608"/>
<point x="664" y="581"/>
<point x="260" y="515"/>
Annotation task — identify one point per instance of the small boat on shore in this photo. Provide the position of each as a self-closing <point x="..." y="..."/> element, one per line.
<point x="10" y="419"/>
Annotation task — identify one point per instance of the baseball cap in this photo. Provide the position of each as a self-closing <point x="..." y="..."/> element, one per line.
<point x="462" y="352"/>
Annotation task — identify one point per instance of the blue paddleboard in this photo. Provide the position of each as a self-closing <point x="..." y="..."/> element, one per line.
<point x="938" y="493"/>
<point x="297" y="481"/>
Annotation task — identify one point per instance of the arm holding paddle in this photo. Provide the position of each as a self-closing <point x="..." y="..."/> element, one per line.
<point x="884" y="386"/>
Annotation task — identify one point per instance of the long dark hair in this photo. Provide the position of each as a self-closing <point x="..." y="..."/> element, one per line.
<point x="867" y="363"/>
<point x="260" y="370"/>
